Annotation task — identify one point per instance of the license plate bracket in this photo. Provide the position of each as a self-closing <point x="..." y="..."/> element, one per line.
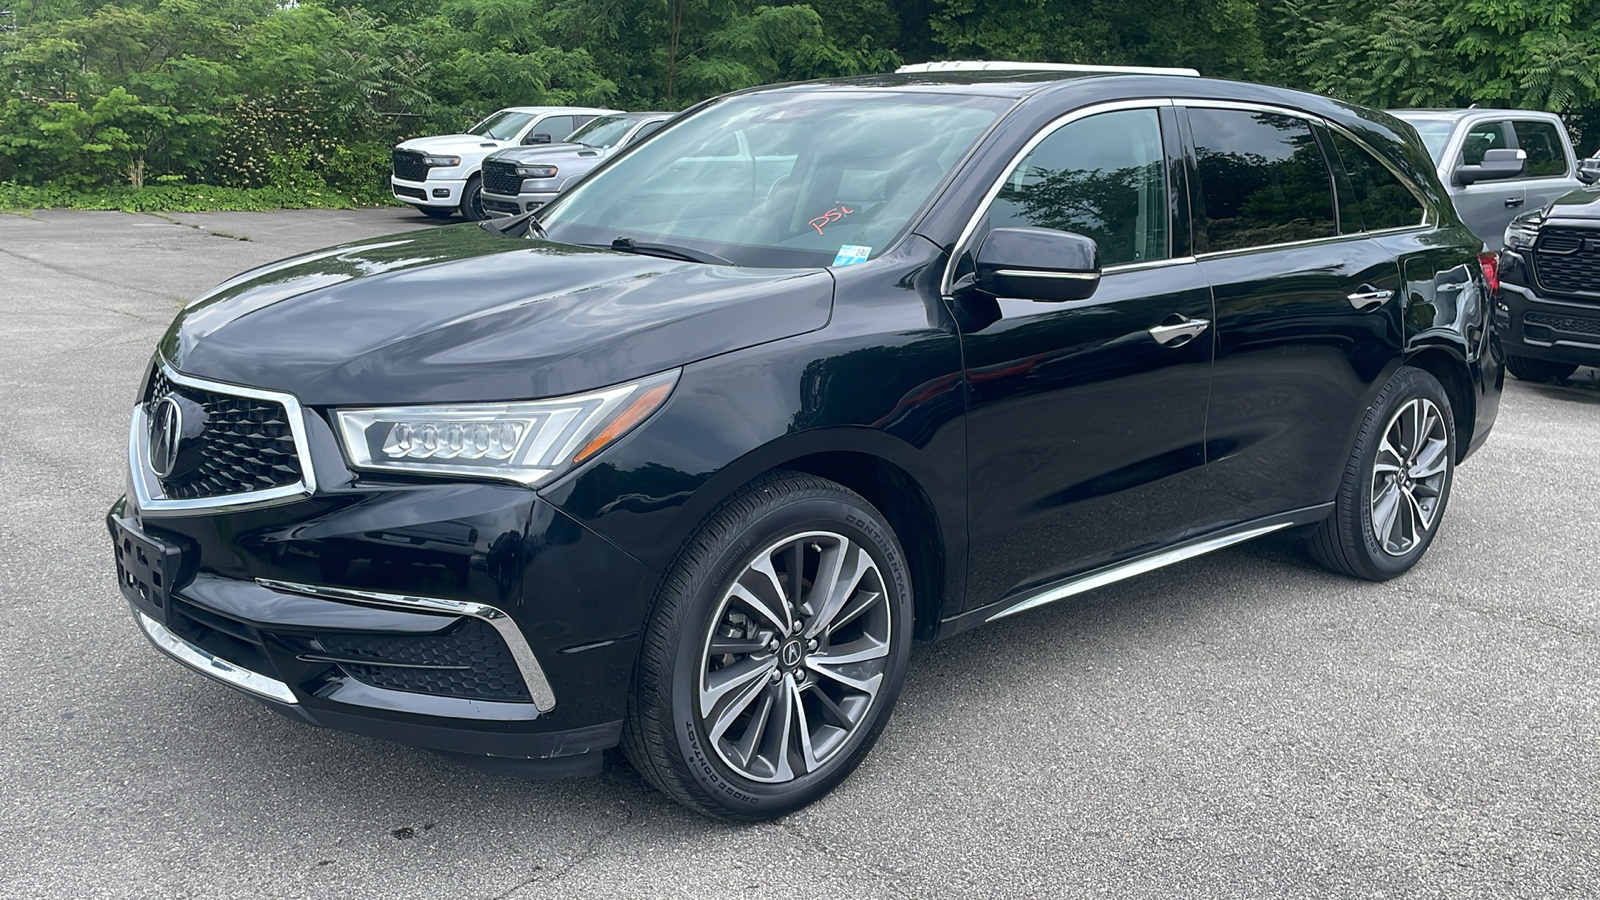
<point x="145" y="568"/>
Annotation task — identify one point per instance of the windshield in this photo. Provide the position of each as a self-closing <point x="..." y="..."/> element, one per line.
<point x="605" y="131"/>
<point x="502" y="126"/>
<point x="779" y="179"/>
<point x="1435" y="134"/>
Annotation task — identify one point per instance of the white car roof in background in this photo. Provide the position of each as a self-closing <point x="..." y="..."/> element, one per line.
<point x="987" y="65"/>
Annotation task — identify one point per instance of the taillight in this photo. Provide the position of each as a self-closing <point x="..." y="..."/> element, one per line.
<point x="1490" y="263"/>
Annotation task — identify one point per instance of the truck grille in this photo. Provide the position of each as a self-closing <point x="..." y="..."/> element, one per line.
<point x="244" y="445"/>
<point x="467" y="660"/>
<point x="408" y="166"/>
<point x="501" y="178"/>
<point x="1567" y="261"/>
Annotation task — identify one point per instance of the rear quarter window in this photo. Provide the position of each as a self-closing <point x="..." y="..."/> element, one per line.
<point x="1381" y="199"/>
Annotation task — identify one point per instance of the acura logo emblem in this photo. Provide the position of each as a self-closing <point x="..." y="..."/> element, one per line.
<point x="166" y="430"/>
<point x="790" y="655"/>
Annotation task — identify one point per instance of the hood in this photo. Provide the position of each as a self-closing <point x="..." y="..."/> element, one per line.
<point x="457" y="144"/>
<point x="550" y="153"/>
<point x="460" y="314"/>
<point x="1583" y="203"/>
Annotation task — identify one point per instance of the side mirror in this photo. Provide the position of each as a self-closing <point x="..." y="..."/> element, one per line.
<point x="1037" y="264"/>
<point x="1501" y="163"/>
<point x="1589" y="170"/>
<point x="538" y="138"/>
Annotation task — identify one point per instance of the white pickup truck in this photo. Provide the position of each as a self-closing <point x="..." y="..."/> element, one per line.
<point x="439" y="175"/>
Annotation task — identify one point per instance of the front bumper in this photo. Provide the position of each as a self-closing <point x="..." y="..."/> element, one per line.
<point x="1531" y="324"/>
<point x="503" y="206"/>
<point x="445" y="193"/>
<point x="474" y="620"/>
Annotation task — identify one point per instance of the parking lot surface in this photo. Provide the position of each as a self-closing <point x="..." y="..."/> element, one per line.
<point x="1241" y="725"/>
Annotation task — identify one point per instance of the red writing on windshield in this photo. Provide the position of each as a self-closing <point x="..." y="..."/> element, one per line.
<point x="829" y="217"/>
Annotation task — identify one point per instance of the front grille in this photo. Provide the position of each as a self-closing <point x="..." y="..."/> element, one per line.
<point x="467" y="660"/>
<point x="1568" y="324"/>
<point x="244" y="444"/>
<point x="1567" y="261"/>
<point x="501" y="178"/>
<point x="408" y="165"/>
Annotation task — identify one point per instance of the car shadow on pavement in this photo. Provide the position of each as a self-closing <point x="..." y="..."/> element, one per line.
<point x="1583" y="386"/>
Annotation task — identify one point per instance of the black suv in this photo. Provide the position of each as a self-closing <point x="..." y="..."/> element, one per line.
<point x="686" y="462"/>
<point x="1547" y="314"/>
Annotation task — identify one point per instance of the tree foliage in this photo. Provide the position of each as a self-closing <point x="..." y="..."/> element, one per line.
<point x="246" y="93"/>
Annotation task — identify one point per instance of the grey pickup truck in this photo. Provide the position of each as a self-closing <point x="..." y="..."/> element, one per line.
<point x="1498" y="163"/>
<point x="522" y="179"/>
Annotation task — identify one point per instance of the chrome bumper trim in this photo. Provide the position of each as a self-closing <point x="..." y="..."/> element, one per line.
<point x="208" y="663"/>
<point x="544" y="699"/>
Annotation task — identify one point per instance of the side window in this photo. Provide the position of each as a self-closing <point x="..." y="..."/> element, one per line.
<point x="644" y="132"/>
<point x="1483" y="137"/>
<point x="1547" y="158"/>
<point x="1382" y="200"/>
<point x="1103" y="177"/>
<point x="558" y="127"/>
<point x="1262" y="180"/>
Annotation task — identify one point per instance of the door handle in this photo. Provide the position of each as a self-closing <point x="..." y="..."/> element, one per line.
<point x="1185" y="328"/>
<point x="1368" y="295"/>
<point x="1514" y="202"/>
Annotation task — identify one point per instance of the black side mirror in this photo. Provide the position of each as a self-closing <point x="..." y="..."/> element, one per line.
<point x="1501" y="163"/>
<point x="1589" y="170"/>
<point x="1037" y="264"/>
<point x="538" y="138"/>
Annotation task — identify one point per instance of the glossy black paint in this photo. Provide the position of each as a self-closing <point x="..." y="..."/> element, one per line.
<point x="1010" y="442"/>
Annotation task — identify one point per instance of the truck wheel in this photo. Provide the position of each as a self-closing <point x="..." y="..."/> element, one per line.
<point x="1529" y="369"/>
<point x="472" y="201"/>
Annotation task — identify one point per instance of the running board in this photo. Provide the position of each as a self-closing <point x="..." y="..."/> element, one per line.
<point x="1109" y="575"/>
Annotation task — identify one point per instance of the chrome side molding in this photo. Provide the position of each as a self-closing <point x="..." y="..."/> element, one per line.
<point x="544" y="699"/>
<point x="208" y="663"/>
<point x="1111" y="574"/>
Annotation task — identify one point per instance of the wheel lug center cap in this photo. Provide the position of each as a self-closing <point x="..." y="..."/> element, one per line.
<point x="791" y="654"/>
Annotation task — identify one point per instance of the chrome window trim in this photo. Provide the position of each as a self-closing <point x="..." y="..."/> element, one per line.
<point x="146" y="487"/>
<point x="208" y="663"/>
<point x="1040" y="273"/>
<point x="544" y="699"/>
<point x="1112" y="574"/>
<point x="1289" y="245"/>
<point x="1054" y="125"/>
<point x="1148" y="264"/>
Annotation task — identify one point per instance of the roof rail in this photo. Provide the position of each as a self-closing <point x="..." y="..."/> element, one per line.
<point x="987" y="65"/>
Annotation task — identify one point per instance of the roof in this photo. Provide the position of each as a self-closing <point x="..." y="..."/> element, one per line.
<point x="995" y="65"/>
<point x="1451" y="115"/>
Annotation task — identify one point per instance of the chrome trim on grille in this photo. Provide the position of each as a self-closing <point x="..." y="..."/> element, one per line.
<point x="544" y="699"/>
<point x="147" y="487"/>
<point x="1103" y="577"/>
<point x="208" y="663"/>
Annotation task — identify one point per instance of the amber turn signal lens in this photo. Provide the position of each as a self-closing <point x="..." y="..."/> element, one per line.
<point x="631" y="415"/>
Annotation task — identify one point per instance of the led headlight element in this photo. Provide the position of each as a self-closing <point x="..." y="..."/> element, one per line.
<point x="442" y="161"/>
<point x="537" y="171"/>
<point x="1523" y="231"/>
<point x="527" y="442"/>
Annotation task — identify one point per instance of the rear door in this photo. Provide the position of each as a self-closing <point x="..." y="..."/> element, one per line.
<point x="1307" y="312"/>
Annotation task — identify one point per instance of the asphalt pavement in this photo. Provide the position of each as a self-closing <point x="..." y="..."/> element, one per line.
<point x="1241" y="725"/>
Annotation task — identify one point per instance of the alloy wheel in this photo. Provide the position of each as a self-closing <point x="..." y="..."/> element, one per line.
<point x="795" y="657"/>
<point x="1408" y="476"/>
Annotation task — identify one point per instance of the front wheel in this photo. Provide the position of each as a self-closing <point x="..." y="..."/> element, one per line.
<point x="472" y="200"/>
<point x="1396" y="483"/>
<point x="1529" y="369"/>
<point x="775" y="652"/>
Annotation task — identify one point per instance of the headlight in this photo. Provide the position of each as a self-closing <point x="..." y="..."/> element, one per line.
<point x="441" y="161"/>
<point x="529" y="442"/>
<point x="1523" y="231"/>
<point x="537" y="171"/>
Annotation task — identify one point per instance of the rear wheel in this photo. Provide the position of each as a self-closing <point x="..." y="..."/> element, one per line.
<point x="1529" y="369"/>
<point x="472" y="200"/>
<point x="1396" y="483"/>
<point x="775" y="652"/>
<point x="434" y="212"/>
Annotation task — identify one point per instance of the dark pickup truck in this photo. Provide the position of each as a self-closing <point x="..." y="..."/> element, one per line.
<point x="1547" y="314"/>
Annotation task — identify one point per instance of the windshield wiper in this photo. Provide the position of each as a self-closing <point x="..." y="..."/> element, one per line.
<point x="669" y="251"/>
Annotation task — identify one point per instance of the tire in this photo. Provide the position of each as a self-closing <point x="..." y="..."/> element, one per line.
<point x="1411" y="479"/>
<point x="472" y="200"/>
<point x="1529" y="369"/>
<point x="434" y="212"/>
<point x="703" y="726"/>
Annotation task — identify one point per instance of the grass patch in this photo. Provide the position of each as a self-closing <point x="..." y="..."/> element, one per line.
<point x="180" y="198"/>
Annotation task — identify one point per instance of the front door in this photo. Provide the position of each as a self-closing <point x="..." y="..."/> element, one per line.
<point x="1086" y="418"/>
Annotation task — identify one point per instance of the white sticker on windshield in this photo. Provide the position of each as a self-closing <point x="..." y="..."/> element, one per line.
<point x="850" y="254"/>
